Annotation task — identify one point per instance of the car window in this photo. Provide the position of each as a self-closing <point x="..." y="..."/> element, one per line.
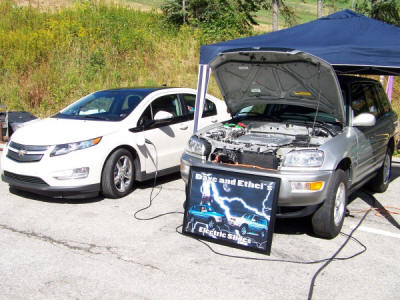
<point x="169" y="103"/>
<point x="257" y="109"/>
<point x="111" y="105"/>
<point x="146" y="117"/>
<point x="370" y="95"/>
<point x="189" y="101"/>
<point x="364" y="99"/>
<point x="383" y="100"/>
<point x="358" y="99"/>
<point x="97" y="105"/>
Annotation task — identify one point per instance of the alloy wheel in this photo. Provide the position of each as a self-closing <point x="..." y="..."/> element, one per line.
<point x="123" y="173"/>
<point x="340" y="202"/>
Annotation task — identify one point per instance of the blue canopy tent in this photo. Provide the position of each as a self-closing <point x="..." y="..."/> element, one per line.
<point x="351" y="43"/>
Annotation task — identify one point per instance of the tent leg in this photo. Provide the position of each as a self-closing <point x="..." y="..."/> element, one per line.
<point x="202" y="86"/>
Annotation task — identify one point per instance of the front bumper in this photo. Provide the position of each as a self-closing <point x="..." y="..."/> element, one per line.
<point x="25" y="183"/>
<point x="40" y="177"/>
<point x="306" y="201"/>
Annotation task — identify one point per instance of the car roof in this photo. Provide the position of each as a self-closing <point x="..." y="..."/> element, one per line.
<point x="144" y="89"/>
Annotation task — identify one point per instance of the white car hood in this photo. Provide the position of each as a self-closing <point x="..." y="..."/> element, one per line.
<point x="271" y="76"/>
<point x="53" y="131"/>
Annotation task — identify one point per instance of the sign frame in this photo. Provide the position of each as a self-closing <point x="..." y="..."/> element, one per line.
<point x="226" y="228"/>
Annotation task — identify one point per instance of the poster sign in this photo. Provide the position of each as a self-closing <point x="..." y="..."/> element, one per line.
<point x="231" y="208"/>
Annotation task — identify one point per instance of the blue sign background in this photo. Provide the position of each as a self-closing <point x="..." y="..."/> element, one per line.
<point x="232" y="208"/>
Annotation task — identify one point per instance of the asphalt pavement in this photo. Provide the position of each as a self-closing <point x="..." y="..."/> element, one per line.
<point x="97" y="249"/>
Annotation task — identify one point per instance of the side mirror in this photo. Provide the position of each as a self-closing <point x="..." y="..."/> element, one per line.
<point x="163" y="115"/>
<point x="364" y="120"/>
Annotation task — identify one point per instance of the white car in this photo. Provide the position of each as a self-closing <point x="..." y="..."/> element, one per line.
<point x="105" y="141"/>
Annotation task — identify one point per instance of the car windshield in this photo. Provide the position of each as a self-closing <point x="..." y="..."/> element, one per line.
<point x="283" y="112"/>
<point x="112" y="105"/>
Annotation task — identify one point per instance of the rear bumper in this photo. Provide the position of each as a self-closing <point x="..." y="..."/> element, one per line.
<point x="77" y="192"/>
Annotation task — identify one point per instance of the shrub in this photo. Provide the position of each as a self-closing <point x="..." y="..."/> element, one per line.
<point x="50" y="59"/>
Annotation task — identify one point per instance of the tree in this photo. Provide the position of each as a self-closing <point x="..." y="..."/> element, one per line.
<point x="384" y="10"/>
<point x="218" y="19"/>
<point x="278" y="7"/>
<point x="319" y="8"/>
<point x="181" y="11"/>
<point x="224" y="15"/>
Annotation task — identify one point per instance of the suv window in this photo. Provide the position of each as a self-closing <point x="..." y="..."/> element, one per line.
<point x="363" y="99"/>
<point x="189" y="101"/>
<point x="383" y="101"/>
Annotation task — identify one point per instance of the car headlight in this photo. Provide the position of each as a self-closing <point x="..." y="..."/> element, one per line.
<point x="198" y="146"/>
<point x="218" y="219"/>
<point x="67" y="148"/>
<point x="304" y="158"/>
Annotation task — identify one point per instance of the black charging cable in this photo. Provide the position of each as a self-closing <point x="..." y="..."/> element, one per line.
<point x="333" y="257"/>
<point x="326" y="261"/>
<point x="151" y="198"/>
<point x="348" y="237"/>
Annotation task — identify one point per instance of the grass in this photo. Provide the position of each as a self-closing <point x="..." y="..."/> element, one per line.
<point x="51" y="57"/>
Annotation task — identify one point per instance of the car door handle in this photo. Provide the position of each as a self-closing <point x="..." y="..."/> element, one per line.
<point x="214" y="121"/>
<point x="183" y="127"/>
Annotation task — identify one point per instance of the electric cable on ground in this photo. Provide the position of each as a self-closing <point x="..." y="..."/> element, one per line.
<point x="311" y="289"/>
<point x="151" y="198"/>
<point x="326" y="261"/>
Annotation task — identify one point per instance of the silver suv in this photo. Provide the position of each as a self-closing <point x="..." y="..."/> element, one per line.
<point x="294" y="118"/>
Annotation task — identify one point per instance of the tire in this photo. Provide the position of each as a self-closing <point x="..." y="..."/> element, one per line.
<point x="211" y="223"/>
<point x="380" y="182"/>
<point x="191" y="220"/>
<point x="327" y="221"/>
<point x="118" y="174"/>
<point x="263" y="233"/>
<point x="243" y="230"/>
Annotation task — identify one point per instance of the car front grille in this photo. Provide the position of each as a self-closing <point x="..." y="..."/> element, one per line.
<point x="24" y="178"/>
<point x="25" y="153"/>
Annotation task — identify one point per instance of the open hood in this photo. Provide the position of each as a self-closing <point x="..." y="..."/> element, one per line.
<point x="247" y="77"/>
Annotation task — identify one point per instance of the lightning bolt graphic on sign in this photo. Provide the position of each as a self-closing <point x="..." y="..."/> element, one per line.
<point x="210" y="190"/>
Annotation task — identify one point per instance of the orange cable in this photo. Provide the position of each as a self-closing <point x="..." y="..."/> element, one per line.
<point x="381" y="212"/>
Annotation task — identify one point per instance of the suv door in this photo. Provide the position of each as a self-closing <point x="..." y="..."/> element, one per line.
<point x="366" y="150"/>
<point x="385" y="123"/>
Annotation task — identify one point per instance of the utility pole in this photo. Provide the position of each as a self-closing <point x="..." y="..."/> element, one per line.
<point x="319" y="9"/>
<point x="184" y="11"/>
<point x="275" y="9"/>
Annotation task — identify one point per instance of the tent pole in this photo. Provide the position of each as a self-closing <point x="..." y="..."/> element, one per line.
<point x="202" y="86"/>
<point x="389" y="88"/>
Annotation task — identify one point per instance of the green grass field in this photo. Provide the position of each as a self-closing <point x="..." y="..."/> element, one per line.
<point x="51" y="57"/>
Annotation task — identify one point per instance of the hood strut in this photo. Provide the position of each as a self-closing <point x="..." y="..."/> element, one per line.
<point x="318" y="102"/>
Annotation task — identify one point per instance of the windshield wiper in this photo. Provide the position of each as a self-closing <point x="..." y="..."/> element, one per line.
<point x="103" y="118"/>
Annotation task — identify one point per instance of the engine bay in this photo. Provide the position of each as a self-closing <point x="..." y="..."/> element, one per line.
<point x="263" y="143"/>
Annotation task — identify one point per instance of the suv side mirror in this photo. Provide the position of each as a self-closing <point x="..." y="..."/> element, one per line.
<point x="364" y="120"/>
<point x="163" y="115"/>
